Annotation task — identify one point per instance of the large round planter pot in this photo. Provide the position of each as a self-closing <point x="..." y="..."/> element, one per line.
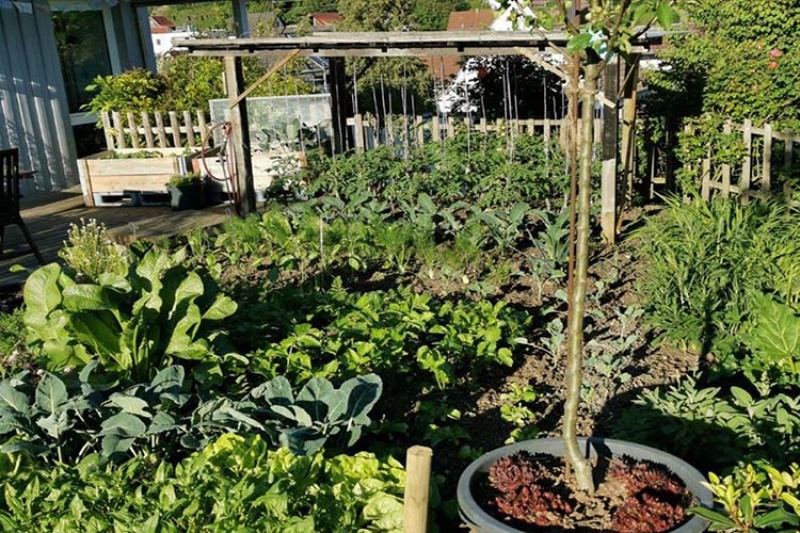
<point x="479" y="519"/>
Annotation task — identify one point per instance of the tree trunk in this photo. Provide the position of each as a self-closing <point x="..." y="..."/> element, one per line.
<point x="577" y="297"/>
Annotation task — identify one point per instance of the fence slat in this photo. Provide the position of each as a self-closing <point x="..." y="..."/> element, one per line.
<point x="160" y="131"/>
<point x="436" y="132"/>
<point x="706" y="189"/>
<point x="107" y="130"/>
<point x="747" y="163"/>
<point x="201" y="124"/>
<point x="118" y="129"/>
<point x="766" y="176"/>
<point x="176" y="129"/>
<point x="726" y="168"/>
<point x="134" y="130"/>
<point x="419" y="127"/>
<point x="187" y="121"/>
<point x="148" y="130"/>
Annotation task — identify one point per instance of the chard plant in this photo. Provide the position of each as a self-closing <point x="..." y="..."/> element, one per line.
<point x="598" y="34"/>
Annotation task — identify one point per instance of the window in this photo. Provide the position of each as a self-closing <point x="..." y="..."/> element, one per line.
<point x="83" y="51"/>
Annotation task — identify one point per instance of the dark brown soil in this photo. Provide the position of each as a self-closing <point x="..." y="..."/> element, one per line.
<point x="534" y="493"/>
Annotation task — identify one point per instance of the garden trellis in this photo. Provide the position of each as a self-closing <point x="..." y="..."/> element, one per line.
<point x="341" y="45"/>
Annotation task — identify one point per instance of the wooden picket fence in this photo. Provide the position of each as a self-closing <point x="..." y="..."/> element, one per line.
<point x="154" y="130"/>
<point x="769" y="160"/>
<point x="371" y="132"/>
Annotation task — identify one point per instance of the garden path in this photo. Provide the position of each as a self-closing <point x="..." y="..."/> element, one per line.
<point x="49" y="216"/>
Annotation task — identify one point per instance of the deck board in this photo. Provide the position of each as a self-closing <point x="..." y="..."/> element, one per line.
<point x="49" y="217"/>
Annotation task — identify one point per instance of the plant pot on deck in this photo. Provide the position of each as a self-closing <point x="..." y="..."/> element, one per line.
<point x="476" y="515"/>
<point x="187" y="196"/>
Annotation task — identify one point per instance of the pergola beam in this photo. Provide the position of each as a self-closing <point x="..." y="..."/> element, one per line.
<point x="395" y="44"/>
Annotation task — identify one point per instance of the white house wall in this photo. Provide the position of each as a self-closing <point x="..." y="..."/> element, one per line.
<point x="35" y="115"/>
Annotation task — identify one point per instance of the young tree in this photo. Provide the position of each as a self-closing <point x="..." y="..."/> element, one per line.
<point x="599" y="32"/>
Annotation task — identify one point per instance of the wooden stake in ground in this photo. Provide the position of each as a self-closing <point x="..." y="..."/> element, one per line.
<point x="418" y="482"/>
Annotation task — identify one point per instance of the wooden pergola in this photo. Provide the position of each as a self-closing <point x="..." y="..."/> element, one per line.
<point x="619" y="89"/>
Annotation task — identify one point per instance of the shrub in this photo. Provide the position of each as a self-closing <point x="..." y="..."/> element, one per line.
<point x="135" y="90"/>
<point x="706" y="262"/>
<point x="755" y="497"/>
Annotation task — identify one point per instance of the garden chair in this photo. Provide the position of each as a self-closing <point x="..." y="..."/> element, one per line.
<point x="9" y="199"/>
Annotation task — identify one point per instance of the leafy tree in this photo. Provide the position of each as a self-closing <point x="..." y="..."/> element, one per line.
<point x="434" y="14"/>
<point x="525" y="82"/>
<point x="741" y="62"/>
<point x="302" y="8"/>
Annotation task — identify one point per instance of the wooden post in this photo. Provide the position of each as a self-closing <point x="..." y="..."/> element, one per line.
<point x="241" y="24"/>
<point x="629" y="125"/>
<point x="608" y="188"/>
<point x="766" y="178"/>
<point x="436" y="130"/>
<point x="358" y="124"/>
<point x="339" y="104"/>
<point x="418" y="480"/>
<point x="747" y="162"/>
<point x="234" y="85"/>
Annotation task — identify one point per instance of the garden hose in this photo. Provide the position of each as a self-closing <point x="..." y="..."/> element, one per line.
<point x="227" y="164"/>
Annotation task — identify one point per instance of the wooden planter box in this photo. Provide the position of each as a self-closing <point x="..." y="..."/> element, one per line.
<point x="126" y="181"/>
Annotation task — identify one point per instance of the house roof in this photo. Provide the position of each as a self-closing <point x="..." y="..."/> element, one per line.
<point x="325" y="19"/>
<point x="476" y="19"/>
<point x="159" y="24"/>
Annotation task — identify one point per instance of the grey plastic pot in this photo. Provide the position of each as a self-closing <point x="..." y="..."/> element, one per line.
<point x="478" y="519"/>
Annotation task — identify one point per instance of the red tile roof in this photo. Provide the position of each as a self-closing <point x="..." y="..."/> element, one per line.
<point x="325" y="19"/>
<point x="161" y="25"/>
<point x="477" y="19"/>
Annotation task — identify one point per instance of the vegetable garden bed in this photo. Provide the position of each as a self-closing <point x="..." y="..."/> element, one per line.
<point x="206" y="364"/>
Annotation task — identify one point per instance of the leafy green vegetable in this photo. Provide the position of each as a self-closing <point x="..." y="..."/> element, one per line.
<point x="233" y="484"/>
<point x="134" y="325"/>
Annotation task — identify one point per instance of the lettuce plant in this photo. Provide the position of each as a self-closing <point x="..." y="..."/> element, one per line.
<point x="134" y="325"/>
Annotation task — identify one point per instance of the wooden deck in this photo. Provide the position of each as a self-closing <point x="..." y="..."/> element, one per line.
<point x="49" y="216"/>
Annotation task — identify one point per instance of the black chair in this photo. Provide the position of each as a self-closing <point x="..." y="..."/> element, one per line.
<point x="9" y="199"/>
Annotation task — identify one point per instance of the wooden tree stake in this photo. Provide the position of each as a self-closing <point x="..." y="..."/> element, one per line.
<point x="418" y="481"/>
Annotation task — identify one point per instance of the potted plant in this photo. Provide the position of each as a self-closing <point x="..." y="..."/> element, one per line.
<point x="531" y="482"/>
<point x="186" y="192"/>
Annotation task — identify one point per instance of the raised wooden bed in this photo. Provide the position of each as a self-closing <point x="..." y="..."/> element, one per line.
<point x="115" y="181"/>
